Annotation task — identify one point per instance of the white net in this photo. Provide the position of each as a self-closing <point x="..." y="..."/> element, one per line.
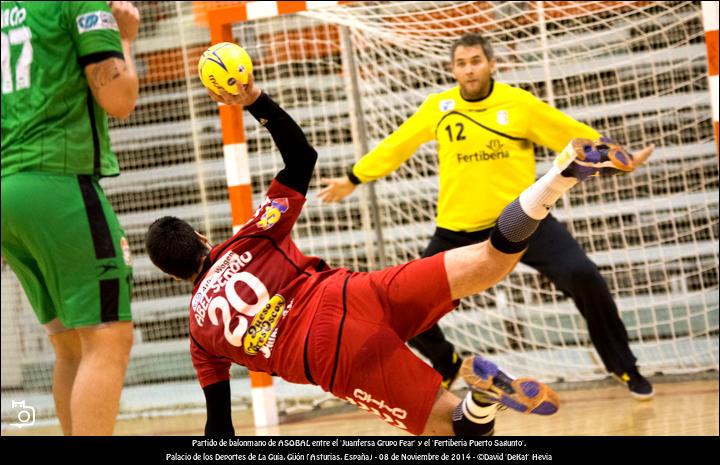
<point x="633" y="70"/>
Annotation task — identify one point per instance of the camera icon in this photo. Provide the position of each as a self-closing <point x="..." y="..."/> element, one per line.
<point x="25" y="415"/>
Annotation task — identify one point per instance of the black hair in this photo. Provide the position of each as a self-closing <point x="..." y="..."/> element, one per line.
<point x="174" y="247"/>
<point x="472" y="40"/>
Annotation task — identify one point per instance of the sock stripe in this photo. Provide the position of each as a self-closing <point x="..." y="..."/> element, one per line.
<point x="464" y="426"/>
<point x="477" y="413"/>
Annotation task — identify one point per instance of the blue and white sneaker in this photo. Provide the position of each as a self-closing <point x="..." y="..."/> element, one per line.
<point x="583" y="158"/>
<point x="522" y="394"/>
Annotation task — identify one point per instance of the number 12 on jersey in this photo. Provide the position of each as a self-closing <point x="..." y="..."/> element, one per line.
<point x="460" y="128"/>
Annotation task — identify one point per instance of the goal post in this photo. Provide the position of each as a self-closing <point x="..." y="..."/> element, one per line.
<point x="710" y="24"/>
<point x="220" y="21"/>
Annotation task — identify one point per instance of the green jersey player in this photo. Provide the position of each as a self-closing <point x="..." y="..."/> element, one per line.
<point x="65" y="66"/>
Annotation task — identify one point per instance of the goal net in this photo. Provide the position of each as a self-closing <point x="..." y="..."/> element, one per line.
<point x="632" y="70"/>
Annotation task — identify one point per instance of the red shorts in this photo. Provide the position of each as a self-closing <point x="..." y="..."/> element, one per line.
<point x="356" y="346"/>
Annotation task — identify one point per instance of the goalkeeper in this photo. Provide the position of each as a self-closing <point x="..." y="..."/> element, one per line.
<point x="485" y="132"/>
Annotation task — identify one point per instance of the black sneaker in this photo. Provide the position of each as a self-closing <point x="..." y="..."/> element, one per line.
<point x="448" y="381"/>
<point x="640" y="388"/>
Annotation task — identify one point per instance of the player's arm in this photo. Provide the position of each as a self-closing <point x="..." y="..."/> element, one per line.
<point x="554" y="129"/>
<point x="217" y="404"/>
<point x="213" y="373"/>
<point x="385" y="158"/>
<point x="113" y="79"/>
<point x="297" y="153"/>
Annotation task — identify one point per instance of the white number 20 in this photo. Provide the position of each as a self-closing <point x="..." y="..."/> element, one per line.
<point x="233" y="299"/>
<point x="20" y="35"/>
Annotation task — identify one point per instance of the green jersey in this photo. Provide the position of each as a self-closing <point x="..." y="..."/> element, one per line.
<point x="50" y="120"/>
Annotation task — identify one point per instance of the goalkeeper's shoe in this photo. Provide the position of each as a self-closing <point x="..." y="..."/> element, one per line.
<point x="640" y="388"/>
<point x="453" y="372"/>
<point x="583" y="158"/>
<point x="522" y="394"/>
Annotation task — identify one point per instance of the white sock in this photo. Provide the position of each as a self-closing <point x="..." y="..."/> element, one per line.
<point x="478" y="413"/>
<point x="537" y="199"/>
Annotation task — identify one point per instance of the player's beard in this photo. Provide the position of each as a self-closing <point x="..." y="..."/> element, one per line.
<point x="475" y="90"/>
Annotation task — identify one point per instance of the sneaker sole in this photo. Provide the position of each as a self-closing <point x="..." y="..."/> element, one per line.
<point x="528" y="396"/>
<point x="642" y="397"/>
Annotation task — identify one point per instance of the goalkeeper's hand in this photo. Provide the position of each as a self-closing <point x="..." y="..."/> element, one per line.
<point x="335" y="189"/>
<point x="642" y="155"/>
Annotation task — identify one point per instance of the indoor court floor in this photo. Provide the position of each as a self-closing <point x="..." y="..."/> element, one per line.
<point x="686" y="408"/>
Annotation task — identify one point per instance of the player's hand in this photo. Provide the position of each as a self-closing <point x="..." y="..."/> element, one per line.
<point x="335" y="189"/>
<point x="128" y="19"/>
<point x="246" y="95"/>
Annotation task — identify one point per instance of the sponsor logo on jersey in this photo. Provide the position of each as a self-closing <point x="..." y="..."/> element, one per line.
<point x="272" y="213"/>
<point x="495" y="151"/>
<point x="125" y="246"/>
<point x="365" y="401"/>
<point x="260" y="335"/>
<point x="447" y="105"/>
<point x="109" y="266"/>
<point x="503" y="118"/>
<point x="96" y="21"/>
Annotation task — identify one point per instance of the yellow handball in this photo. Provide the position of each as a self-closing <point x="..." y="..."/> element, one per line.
<point x="224" y="65"/>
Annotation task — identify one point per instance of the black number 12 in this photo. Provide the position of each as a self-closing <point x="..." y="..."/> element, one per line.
<point x="460" y="127"/>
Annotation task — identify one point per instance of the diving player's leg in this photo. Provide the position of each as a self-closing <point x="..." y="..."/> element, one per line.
<point x="490" y="389"/>
<point x="432" y="343"/>
<point x="489" y="383"/>
<point x="378" y="373"/>
<point x="475" y="268"/>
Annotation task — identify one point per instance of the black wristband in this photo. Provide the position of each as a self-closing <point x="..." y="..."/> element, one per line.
<point x="97" y="57"/>
<point x="351" y="176"/>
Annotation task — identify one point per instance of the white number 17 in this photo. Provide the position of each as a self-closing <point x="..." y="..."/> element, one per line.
<point x="20" y="35"/>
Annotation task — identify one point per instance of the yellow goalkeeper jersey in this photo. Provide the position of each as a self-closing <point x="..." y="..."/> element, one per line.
<point x="485" y="150"/>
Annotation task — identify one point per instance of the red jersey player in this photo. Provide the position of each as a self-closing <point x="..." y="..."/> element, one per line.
<point x="260" y="302"/>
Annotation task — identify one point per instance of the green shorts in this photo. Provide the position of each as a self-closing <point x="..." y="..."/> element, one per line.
<point x="62" y="239"/>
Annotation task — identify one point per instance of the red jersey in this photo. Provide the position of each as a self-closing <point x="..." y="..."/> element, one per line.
<point x="243" y="307"/>
<point x="261" y="303"/>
